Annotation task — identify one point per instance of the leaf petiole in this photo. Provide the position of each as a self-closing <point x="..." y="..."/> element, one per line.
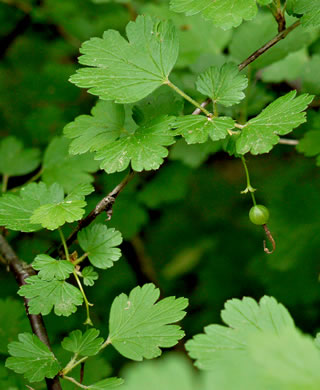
<point x="87" y="303"/>
<point x="187" y="97"/>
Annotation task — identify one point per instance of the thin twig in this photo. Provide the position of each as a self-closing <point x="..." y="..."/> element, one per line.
<point x="270" y="238"/>
<point x="257" y="54"/>
<point x="70" y="379"/>
<point x="268" y="45"/>
<point x="287" y="141"/>
<point x="22" y="271"/>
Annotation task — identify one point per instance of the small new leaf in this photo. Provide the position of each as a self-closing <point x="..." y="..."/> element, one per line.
<point x="44" y="295"/>
<point x="224" y="13"/>
<point x="224" y="85"/>
<point x="16" y="161"/>
<point x="144" y="148"/>
<point x="50" y="268"/>
<point x="91" y="132"/>
<point x="61" y="210"/>
<point x="197" y="129"/>
<point x="99" y="243"/>
<point x="128" y="71"/>
<point x="261" y="133"/>
<point x="139" y="327"/>
<point x="89" y="276"/>
<point x="87" y="344"/>
<point x="31" y="357"/>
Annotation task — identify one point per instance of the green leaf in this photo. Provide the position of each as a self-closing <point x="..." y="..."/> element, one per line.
<point x="16" y="210"/>
<point x="138" y="326"/>
<point x="106" y="384"/>
<point x="144" y="147"/>
<point x="61" y="210"/>
<point x="16" y="161"/>
<point x="261" y="133"/>
<point x="310" y="9"/>
<point x="32" y="357"/>
<point x="244" y="319"/>
<point x="290" y="358"/>
<point x="197" y="129"/>
<point x="309" y="145"/>
<point x="310" y="76"/>
<point x="224" y="13"/>
<point x="50" y="268"/>
<point x="99" y="243"/>
<point x="89" y="275"/>
<point x="62" y="168"/>
<point x="91" y="132"/>
<point x="317" y="340"/>
<point x="87" y="344"/>
<point x="128" y="71"/>
<point x="288" y="69"/>
<point x="44" y="295"/>
<point x="224" y="85"/>
<point x="13" y="320"/>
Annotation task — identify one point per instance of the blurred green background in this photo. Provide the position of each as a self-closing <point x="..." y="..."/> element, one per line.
<point x="186" y="226"/>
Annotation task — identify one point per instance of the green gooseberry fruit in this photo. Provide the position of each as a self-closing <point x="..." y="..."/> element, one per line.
<point x="259" y="214"/>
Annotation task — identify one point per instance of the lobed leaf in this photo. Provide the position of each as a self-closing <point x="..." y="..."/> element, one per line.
<point x="144" y="148"/>
<point x="139" y="327"/>
<point x="91" y="132"/>
<point x="87" y="344"/>
<point x="309" y="9"/>
<point x="44" y="295"/>
<point x="261" y="133"/>
<point x="224" y="85"/>
<point x="197" y="129"/>
<point x="224" y="13"/>
<point x="245" y="318"/>
<point x="99" y="243"/>
<point x="89" y="276"/>
<point x="50" y="268"/>
<point x="128" y="71"/>
<point x="61" y="210"/>
<point x="16" y="210"/>
<point x="31" y="357"/>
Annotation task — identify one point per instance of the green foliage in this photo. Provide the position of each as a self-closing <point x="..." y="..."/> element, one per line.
<point x="50" y="268"/>
<point x="260" y="134"/>
<point x="185" y="227"/>
<point x="16" y="161"/>
<point x="223" y="85"/>
<point x="138" y="326"/>
<point x="90" y="133"/>
<point x="87" y="344"/>
<point x="197" y="129"/>
<point x="68" y="171"/>
<point x="224" y="13"/>
<point x="144" y="147"/>
<point x="60" y="210"/>
<point x="99" y="243"/>
<point x="310" y="9"/>
<point x="32" y="358"/>
<point x="133" y="73"/>
<point x="44" y="295"/>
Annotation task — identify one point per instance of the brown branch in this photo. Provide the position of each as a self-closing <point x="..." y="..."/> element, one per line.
<point x="22" y="271"/>
<point x="268" y="45"/>
<point x="257" y="54"/>
<point x="105" y="204"/>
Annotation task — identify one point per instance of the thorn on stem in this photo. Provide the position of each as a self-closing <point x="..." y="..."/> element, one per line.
<point x="270" y="238"/>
